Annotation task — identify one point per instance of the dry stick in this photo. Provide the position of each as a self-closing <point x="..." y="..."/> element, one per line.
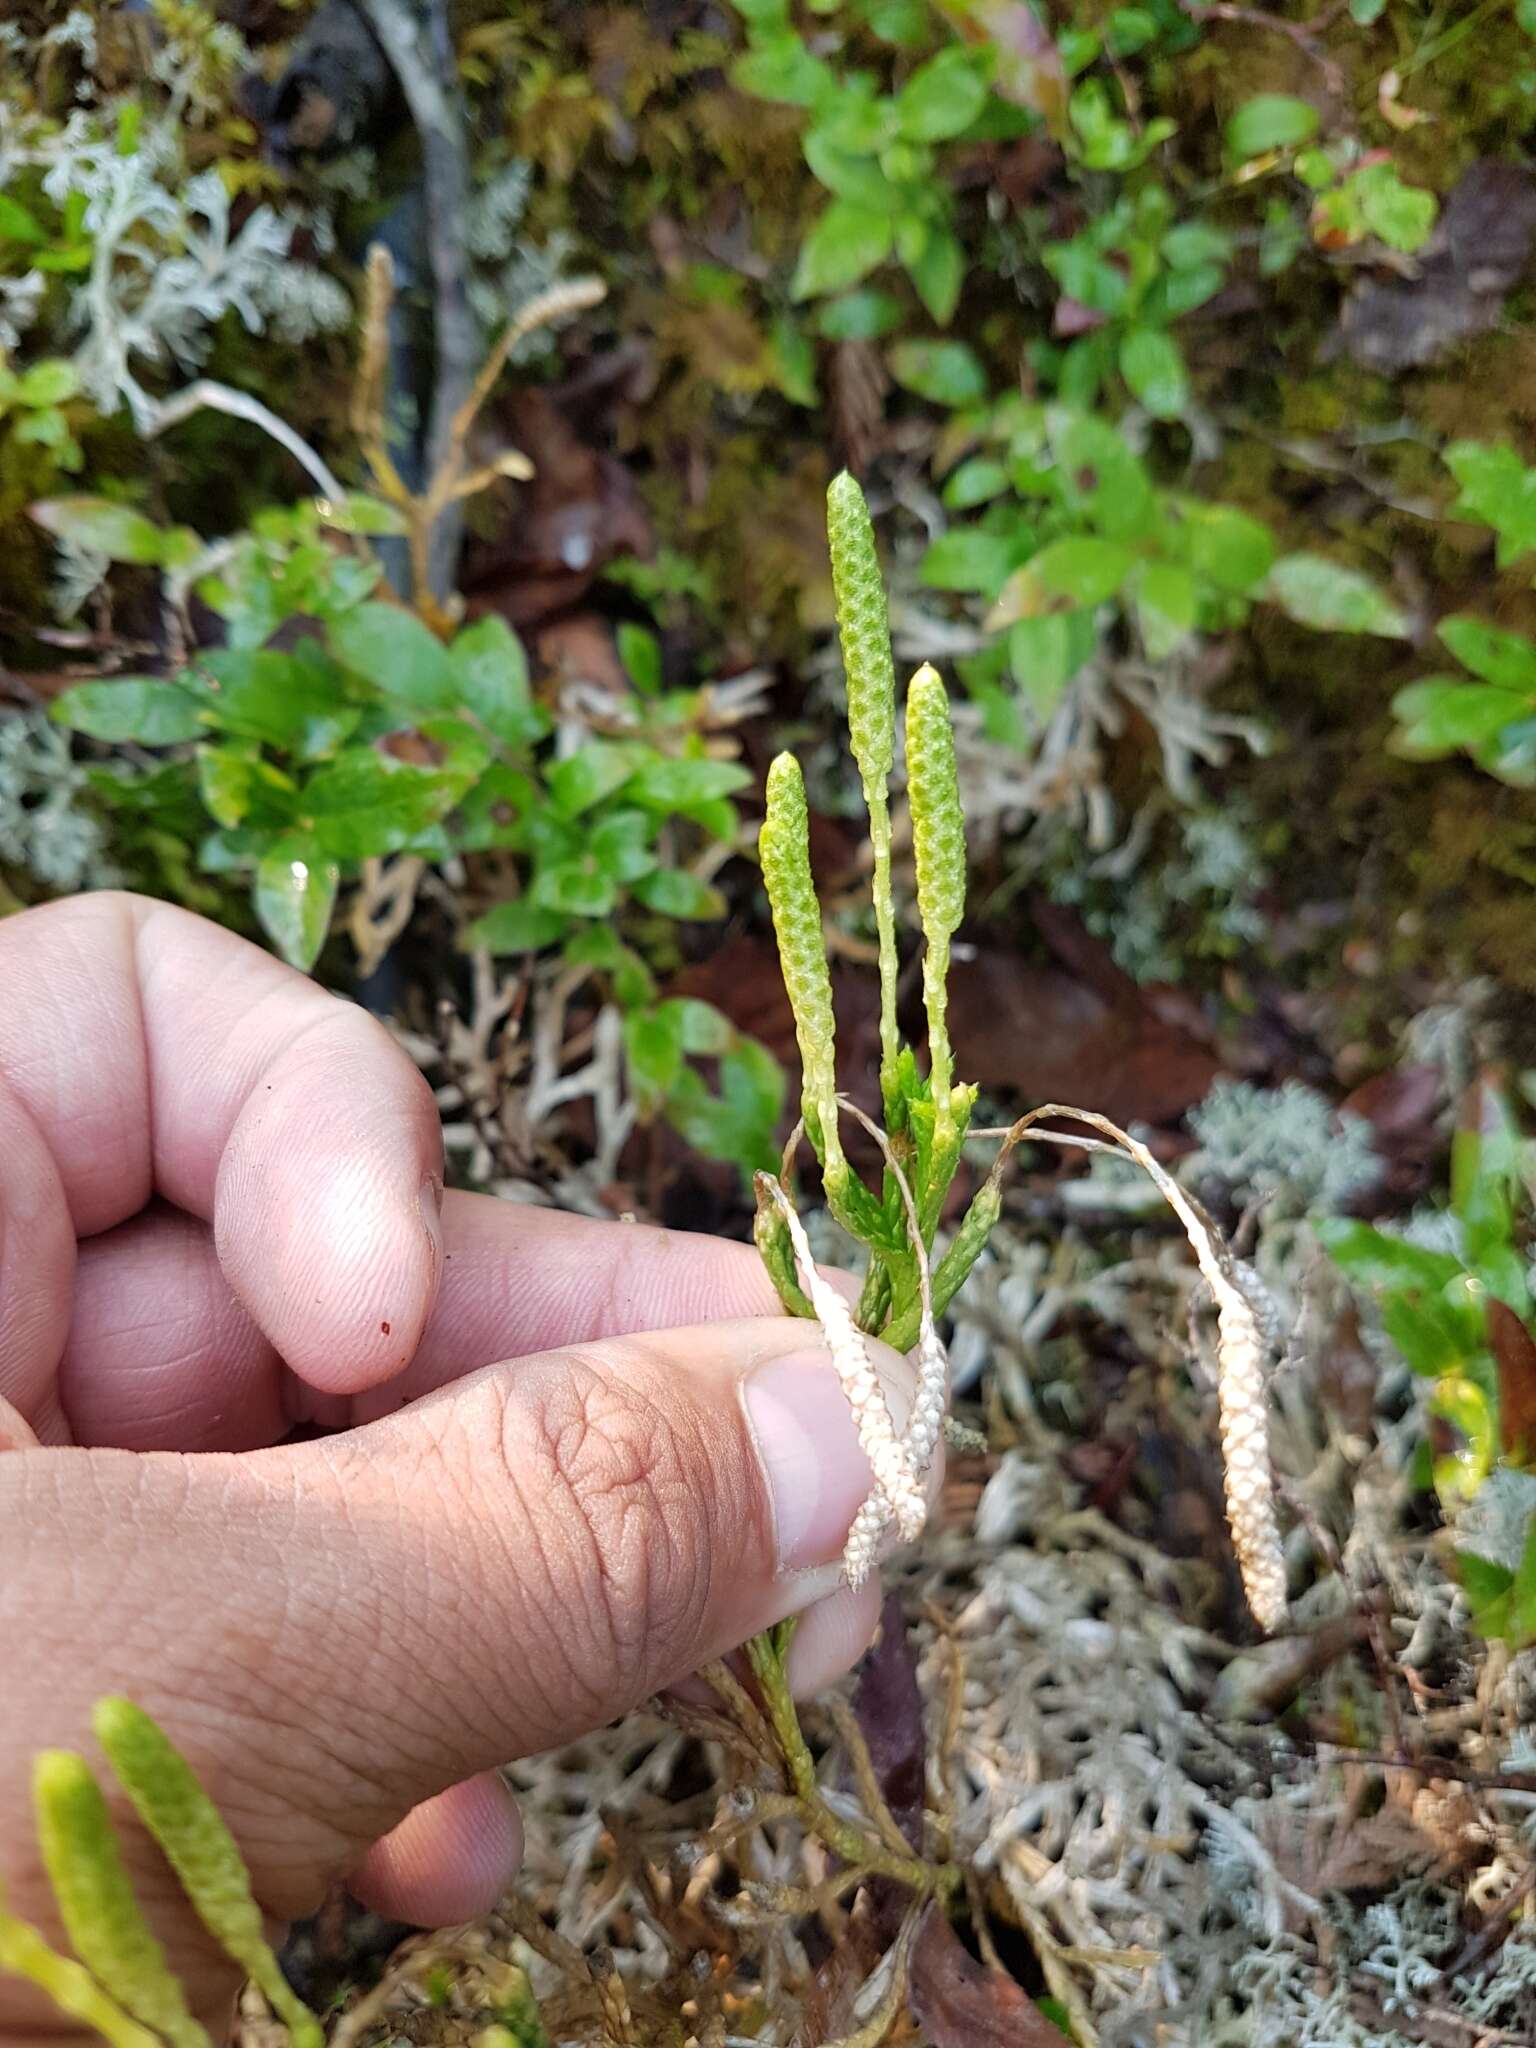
<point x="207" y="395"/>
<point x="420" y="47"/>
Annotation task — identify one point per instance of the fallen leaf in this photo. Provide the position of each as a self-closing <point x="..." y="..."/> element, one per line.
<point x="858" y="383"/>
<point x="1514" y="1352"/>
<point x="1390" y="106"/>
<point x="1079" y="1032"/>
<point x="889" y="1706"/>
<point x="962" y="2004"/>
<point x="541" y="546"/>
<point x="1380" y="1851"/>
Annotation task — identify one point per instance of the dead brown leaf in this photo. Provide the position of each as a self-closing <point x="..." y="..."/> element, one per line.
<point x="548" y="543"/>
<point x="1082" y="1031"/>
<point x="1514" y="1352"/>
<point x="960" y="2003"/>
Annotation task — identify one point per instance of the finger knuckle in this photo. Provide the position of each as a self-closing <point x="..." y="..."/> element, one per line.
<point x="618" y="1508"/>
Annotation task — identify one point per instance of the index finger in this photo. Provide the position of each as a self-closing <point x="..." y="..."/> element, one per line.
<point x="157" y="1053"/>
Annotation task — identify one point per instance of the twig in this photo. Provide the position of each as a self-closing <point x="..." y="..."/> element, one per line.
<point x="207" y="395"/>
<point x="419" y="45"/>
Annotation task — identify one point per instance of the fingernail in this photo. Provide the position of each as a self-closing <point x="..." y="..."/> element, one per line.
<point x="432" y="1213"/>
<point x="817" y="1473"/>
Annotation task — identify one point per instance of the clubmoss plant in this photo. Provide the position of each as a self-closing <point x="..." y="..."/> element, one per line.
<point x="928" y="1114"/>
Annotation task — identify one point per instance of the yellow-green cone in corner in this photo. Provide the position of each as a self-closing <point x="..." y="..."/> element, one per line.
<point x="202" y="1852"/>
<point x="101" y="1916"/>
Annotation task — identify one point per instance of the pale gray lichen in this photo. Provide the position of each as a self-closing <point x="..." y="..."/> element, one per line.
<point x="1286" y="1145"/>
<point x="167" y="262"/>
<point x="42" y="827"/>
<point x="510" y="270"/>
<point x="1199" y="900"/>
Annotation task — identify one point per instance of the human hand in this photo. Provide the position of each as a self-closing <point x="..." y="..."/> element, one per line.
<point x="221" y="1215"/>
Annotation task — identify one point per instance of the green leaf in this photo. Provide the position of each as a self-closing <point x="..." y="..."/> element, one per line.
<point x="640" y="652"/>
<point x="666" y="783"/>
<point x="1082" y="568"/>
<point x="357" y="512"/>
<point x="1498" y="490"/>
<point x="17" y="224"/>
<point x="1525" y="15"/>
<point x="968" y="558"/>
<point x="131" y="709"/>
<point x="942" y="97"/>
<point x="599" y="945"/>
<point x="1271" y="120"/>
<point x="1377" y="1261"/>
<point x="1441" y="713"/>
<point x="859" y="316"/>
<point x="109" y="529"/>
<point x="1152" y="365"/>
<point x="1366" y="11"/>
<point x="739" y="1123"/>
<point x="517" y="926"/>
<point x="1488" y="1588"/>
<point x="707" y="1032"/>
<point x="1327" y="596"/>
<point x="365" y="804"/>
<point x="846" y="244"/>
<point x="1467" y="1405"/>
<point x="793" y="356"/>
<point x="1507" y="659"/>
<point x="975" y="482"/>
<point x="295" y="701"/>
<point x="1167" y="605"/>
<point x="294" y="895"/>
<point x="575" y="887"/>
<point x="780" y="67"/>
<point x="398" y="653"/>
<point x="226" y="779"/>
<point x="1522" y="1600"/>
<point x="51" y="382"/>
<point x="937" y="272"/>
<point x="1102" y="479"/>
<point x="948" y="372"/>
<point x="490" y="676"/>
<point x="1223" y="545"/>
<point x="1196" y="245"/>
<point x="675" y="893"/>
<point x="621" y="844"/>
<point x="1046" y="653"/>
<point x="850" y="174"/>
<point x="653" y="1053"/>
<point x="1400" y="215"/>
<point x="584" y="778"/>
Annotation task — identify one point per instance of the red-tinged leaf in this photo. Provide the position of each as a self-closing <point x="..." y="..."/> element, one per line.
<point x="1072" y="318"/>
<point x="1402" y="1105"/>
<point x="1028" y="64"/>
<point x="890" y="1710"/>
<point x="960" y="2003"/>
<point x="1514" y="1351"/>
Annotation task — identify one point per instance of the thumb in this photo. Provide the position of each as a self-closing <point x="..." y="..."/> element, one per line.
<point x="336" y="1632"/>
